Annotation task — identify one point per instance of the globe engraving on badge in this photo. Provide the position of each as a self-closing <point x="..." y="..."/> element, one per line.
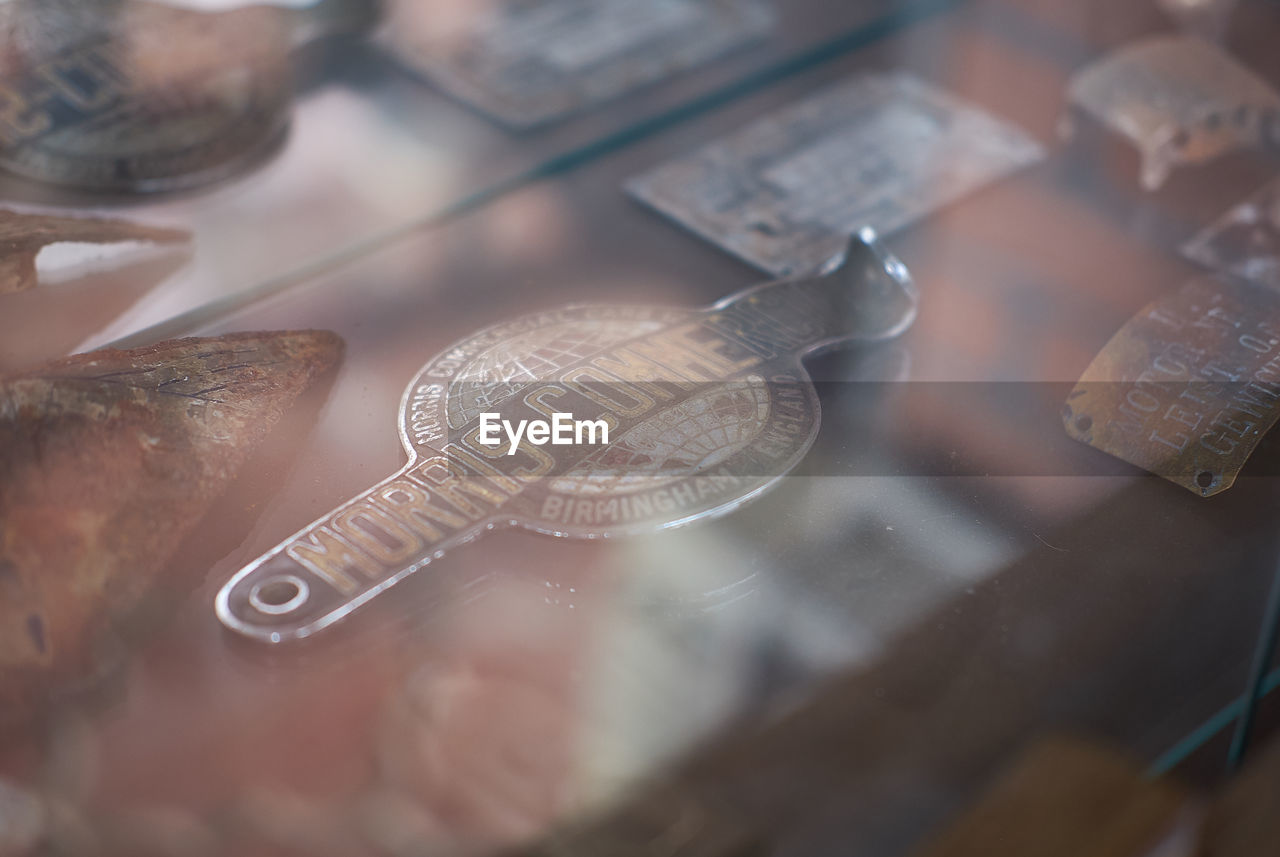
<point x="705" y="409"/>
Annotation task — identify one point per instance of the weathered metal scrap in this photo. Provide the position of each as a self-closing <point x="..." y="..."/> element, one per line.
<point x="1179" y="100"/>
<point x="107" y="460"/>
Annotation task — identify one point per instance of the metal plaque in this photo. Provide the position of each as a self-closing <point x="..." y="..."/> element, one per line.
<point x="1188" y="387"/>
<point x="879" y="151"/>
<point x="705" y="409"/>
<point x="530" y="62"/>
<point x="1245" y="241"/>
<point x="139" y="96"/>
<point x="1179" y="100"/>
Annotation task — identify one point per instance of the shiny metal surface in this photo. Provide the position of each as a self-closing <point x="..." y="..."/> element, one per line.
<point x="945" y="571"/>
<point x="707" y="409"/>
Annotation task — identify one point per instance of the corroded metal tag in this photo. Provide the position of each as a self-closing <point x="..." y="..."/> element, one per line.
<point x="530" y="62"/>
<point x="1188" y="387"/>
<point x="1244" y="241"/>
<point x="1179" y="100"/>
<point x="879" y="151"/>
<point x="704" y="409"/>
<point x="139" y="96"/>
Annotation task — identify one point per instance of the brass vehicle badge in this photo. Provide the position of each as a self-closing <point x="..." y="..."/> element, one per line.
<point x="129" y="95"/>
<point x="1179" y="100"/>
<point x="1188" y="387"/>
<point x="704" y="409"/>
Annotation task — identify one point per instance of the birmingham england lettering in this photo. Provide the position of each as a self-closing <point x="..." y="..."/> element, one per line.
<point x="584" y="422"/>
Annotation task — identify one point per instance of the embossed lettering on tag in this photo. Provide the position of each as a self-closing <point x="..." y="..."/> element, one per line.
<point x="879" y="151"/>
<point x="1179" y="100"/>
<point x="1188" y="387"/>
<point x="706" y="409"/>
<point x="1244" y="241"/>
<point x="528" y="63"/>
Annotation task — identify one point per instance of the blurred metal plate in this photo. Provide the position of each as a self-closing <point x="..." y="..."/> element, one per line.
<point x="529" y="63"/>
<point x="1179" y="100"/>
<point x="879" y="150"/>
<point x="1188" y="387"/>
<point x="1244" y="241"/>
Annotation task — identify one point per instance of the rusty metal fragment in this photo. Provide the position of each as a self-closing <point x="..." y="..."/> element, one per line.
<point x="23" y="236"/>
<point x="1188" y="387"/>
<point x="107" y="460"/>
<point x="1179" y="100"/>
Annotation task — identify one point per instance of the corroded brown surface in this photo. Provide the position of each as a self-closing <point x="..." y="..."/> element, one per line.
<point x="107" y="460"/>
<point x="23" y="236"/>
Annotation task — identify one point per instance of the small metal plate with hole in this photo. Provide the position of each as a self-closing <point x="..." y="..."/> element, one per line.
<point x="1244" y="241"/>
<point x="1188" y="387"/>
<point x="530" y="62"/>
<point x="879" y="151"/>
<point x="706" y="408"/>
<point x="1179" y="100"/>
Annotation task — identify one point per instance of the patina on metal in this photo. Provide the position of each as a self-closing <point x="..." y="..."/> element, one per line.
<point x="23" y="236"/>
<point x="877" y="150"/>
<point x="1179" y="100"/>
<point x="132" y="96"/>
<point x="1188" y="387"/>
<point x="706" y="409"/>
<point x="530" y="62"/>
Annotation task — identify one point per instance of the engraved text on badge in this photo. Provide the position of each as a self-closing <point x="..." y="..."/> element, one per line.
<point x="705" y="408"/>
<point x="1179" y="100"/>
<point x="1188" y="387"/>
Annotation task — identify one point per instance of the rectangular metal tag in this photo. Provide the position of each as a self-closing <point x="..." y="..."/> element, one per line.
<point x="1188" y="387"/>
<point x="878" y="150"/>
<point x="1245" y="241"/>
<point x="530" y="62"/>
